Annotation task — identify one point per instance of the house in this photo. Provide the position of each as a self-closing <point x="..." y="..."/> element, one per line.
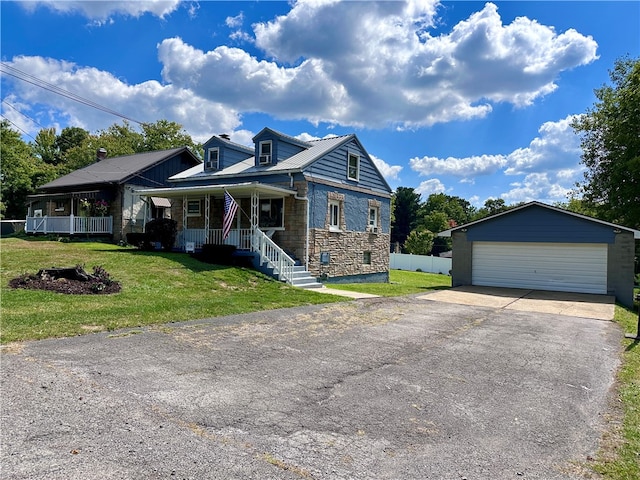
<point x="320" y="204"/>
<point x="537" y="246"/>
<point x="98" y="199"/>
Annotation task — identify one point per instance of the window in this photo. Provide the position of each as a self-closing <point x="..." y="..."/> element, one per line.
<point x="366" y="258"/>
<point x="271" y="213"/>
<point x="60" y="204"/>
<point x="265" y="152"/>
<point x="334" y="216"/>
<point x="213" y="159"/>
<point x="373" y="217"/>
<point x="353" y="168"/>
<point x="193" y="208"/>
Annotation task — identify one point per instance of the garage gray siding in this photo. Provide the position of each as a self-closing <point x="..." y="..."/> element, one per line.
<point x="620" y="268"/>
<point x="461" y="260"/>
<point x="539" y="224"/>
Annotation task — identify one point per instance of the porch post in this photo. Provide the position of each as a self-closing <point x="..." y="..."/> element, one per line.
<point x="207" y="204"/>
<point x="255" y="215"/>
<point x="184" y="220"/>
<point x="71" y="223"/>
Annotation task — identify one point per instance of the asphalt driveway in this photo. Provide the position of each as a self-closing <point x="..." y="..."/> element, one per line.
<point x="402" y="388"/>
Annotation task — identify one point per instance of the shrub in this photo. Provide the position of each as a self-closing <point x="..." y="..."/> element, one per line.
<point x="140" y="240"/>
<point x="163" y="230"/>
<point x="217" y="254"/>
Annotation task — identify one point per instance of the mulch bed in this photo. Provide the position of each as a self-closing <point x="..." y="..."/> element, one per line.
<point x="73" y="281"/>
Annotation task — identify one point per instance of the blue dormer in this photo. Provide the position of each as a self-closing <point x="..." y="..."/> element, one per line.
<point x="272" y="146"/>
<point x="220" y="152"/>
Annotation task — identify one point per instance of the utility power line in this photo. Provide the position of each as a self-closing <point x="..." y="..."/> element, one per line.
<point x="28" y="78"/>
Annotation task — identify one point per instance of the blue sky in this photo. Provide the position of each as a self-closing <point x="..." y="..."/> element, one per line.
<point x="472" y="99"/>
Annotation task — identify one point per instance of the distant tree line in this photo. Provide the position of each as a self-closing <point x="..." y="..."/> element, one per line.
<point x="26" y="166"/>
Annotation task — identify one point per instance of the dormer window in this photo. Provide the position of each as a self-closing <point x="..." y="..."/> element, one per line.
<point x="265" y="153"/>
<point x="353" y="167"/>
<point x="213" y="159"/>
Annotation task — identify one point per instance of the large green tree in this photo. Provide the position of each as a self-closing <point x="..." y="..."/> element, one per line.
<point x="610" y="141"/>
<point x="20" y="172"/>
<point x="405" y="213"/>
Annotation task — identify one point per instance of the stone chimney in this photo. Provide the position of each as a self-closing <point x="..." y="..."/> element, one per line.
<point x="101" y="154"/>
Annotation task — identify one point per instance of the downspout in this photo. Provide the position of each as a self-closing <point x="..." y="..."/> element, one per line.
<point x="306" y="233"/>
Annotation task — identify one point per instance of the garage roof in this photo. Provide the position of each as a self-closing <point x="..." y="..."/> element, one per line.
<point x="447" y="233"/>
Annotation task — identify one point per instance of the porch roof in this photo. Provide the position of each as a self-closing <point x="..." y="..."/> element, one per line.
<point x="239" y="190"/>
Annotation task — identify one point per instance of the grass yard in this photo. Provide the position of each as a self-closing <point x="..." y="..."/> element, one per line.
<point x="157" y="287"/>
<point x="401" y="282"/>
<point x="619" y="455"/>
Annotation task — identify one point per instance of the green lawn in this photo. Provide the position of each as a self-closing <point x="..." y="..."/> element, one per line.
<point x="156" y="288"/>
<point x="619" y="456"/>
<point x="401" y="282"/>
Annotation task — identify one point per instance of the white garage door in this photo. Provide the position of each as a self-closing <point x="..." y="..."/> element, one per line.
<point x="564" y="267"/>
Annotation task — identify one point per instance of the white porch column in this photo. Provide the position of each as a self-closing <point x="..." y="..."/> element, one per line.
<point x="255" y="216"/>
<point x="207" y="204"/>
<point x="184" y="214"/>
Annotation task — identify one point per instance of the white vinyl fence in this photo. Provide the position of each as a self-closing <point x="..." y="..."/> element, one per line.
<point x="424" y="263"/>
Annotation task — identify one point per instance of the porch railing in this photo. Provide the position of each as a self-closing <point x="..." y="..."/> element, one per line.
<point x="273" y="256"/>
<point x="241" y="238"/>
<point x="270" y="253"/>
<point x="69" y="225"/>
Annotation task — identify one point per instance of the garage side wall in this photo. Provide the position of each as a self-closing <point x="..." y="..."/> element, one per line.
<point x="620" y="268"/>
<point x="461" y="260"/>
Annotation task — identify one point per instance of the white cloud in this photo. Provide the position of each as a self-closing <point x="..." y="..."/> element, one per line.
<point x="146" y="102"/>
<point x="101" y="11"/>
<point x="392" y="71"/>
<point x="430" y="186"/>
<point x="389" y="172"/>
<point x="466" y="168"/>
<point x="557" y="146"/>
<point x="235" y="22"/>
<point x="544" y="187"/>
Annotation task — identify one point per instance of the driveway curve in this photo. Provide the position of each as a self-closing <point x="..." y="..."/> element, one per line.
<point x="379" y="388"/>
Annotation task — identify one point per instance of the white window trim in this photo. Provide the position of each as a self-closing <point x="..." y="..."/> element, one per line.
<point x="194" y="214"/>
<point x="332" y="204"/>
<point x="375" y="217"/>
<point x="270" y="154"/>
<point x="279" y="227"/>
<point x="357" y="157"/>
<point x="209" y="164"/>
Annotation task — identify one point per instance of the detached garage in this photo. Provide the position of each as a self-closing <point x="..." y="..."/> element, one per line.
<point x="540" y="247"/>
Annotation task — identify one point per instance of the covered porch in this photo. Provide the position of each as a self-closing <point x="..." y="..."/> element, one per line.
<point x="199" y="211"/>
<point x="70" y="213"/>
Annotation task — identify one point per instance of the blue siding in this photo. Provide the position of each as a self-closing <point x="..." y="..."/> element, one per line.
<point x="158" y="174"/>
<point x="538" y="224"/>
<point x="333" y="166"/>
<point x="228" y="155"/>
<point x="280" y="147"/>
<point x="356" y="208"/>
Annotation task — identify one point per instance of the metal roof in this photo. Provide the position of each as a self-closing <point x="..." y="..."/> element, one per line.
<point x="114" y="169"/>
<point x="295" y="163"/>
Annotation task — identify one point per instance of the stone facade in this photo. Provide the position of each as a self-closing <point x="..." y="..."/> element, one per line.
<point x="349" y="254"/>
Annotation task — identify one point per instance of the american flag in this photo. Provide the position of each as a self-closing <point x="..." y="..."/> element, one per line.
<point x="230" y="209"/>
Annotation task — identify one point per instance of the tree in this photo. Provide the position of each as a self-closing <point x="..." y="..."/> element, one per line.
<point x="20" y="172"/>
<point x="45" y="146"/>
<point x="419" y="242"/>
<point x="165" y="134"/>
<point x="610" y="145"/>
<point x="491" y="207"/>
<point x="456" y="209"/>
<point x="406" y="205"/>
